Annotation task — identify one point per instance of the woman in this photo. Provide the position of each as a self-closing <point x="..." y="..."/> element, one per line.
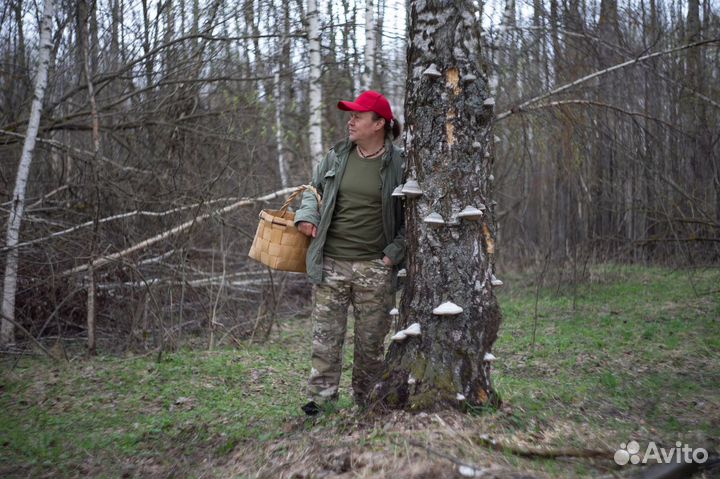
<point x="357" y="239"/>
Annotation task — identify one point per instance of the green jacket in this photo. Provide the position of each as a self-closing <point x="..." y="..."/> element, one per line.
<point x="326" y="179"/>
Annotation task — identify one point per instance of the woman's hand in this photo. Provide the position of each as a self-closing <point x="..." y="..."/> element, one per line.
<point x="308" y="229"/>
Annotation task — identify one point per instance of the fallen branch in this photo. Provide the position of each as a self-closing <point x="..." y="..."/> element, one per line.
<point x="27" y="333"/>
<point x="474" y="470"/>
<point x="597" y="74"/>
<point x="104" y="260"/>
<point x="557" y="103"/>
<point x="532" y="452"/>
<point x="119" y="216"/>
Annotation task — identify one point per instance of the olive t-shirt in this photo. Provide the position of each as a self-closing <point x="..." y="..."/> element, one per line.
<point x="356" y="229"/>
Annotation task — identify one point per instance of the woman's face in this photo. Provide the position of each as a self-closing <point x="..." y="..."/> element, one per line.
<point x="362" y="127"/>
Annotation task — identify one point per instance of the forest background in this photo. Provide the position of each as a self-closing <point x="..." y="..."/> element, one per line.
<point x="159" y="118"/>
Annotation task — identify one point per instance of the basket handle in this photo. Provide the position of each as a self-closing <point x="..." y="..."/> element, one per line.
<point x="297" y="193"/>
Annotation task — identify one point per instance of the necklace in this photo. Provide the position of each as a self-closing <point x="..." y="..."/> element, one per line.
<point x="362" y="154"/>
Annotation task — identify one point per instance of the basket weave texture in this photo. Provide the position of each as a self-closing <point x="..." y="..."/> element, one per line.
<point x="277" y="243"/>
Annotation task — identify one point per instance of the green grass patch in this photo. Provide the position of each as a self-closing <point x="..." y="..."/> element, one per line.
<point x="632" y="353"/>
<point x="638" y="353"/>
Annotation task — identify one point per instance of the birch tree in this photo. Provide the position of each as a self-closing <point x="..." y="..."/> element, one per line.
<point x="7" y="333"/>
<point x="283" y="45"/>
<point x="370" y="35"/>
<point x="316" y="146"/>
<point x="450" y="284"/>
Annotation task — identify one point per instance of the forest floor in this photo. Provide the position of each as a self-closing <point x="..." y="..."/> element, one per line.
<point x="630" y="353"/>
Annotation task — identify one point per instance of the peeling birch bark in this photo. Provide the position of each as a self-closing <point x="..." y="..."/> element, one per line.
<point x="369" y="71"/>
<point x="316" y="145"/>
<point x="449" y="151"/>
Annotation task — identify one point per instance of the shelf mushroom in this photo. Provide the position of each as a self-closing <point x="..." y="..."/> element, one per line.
<point x="399" y="336"/>
<point x="411" y="189"/>
<point x="413" y="330"/>
<point x="432" y="71"/>
<point x="398" y="191"/>
<point x="434" y="219"/>
<point x="470" y="213"/>
<point x="448" y="308"/>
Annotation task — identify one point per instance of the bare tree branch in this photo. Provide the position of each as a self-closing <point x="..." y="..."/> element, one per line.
<point x="102" y="261"/>
<point x="600" y="73"/>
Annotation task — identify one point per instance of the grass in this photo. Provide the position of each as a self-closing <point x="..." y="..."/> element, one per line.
<point x="637" y="357"/>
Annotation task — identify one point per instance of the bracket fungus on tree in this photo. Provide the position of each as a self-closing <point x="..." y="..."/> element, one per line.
<point x="470" y="213"/>
<point x="448" y="308"/>
<point x="434" y="219"/>
<point x="413" y="330"/>
<point x="432" y="71"/>
<point x="399" y="336"/>
<point x="411" y="189"/>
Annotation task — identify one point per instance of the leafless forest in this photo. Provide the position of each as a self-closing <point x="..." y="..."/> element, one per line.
<point x="159" y="119"/>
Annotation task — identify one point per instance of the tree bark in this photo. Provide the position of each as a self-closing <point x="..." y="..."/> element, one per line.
<point x="370" y="35"/>
<point x="316" y="146"/>
<point x="279" y="133"/>
<point x="448" y="144"/>
<point x="7" y="331"/>
<point x="91" y="303"/>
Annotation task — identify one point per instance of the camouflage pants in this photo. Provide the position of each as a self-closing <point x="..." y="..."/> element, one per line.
<point x="367" y="285"/>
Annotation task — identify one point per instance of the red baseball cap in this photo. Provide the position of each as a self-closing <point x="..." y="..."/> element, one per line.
<point x="369" y="101"/>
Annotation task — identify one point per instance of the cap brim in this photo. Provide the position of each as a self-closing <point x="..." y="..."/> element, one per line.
<point x="351" y="106"/>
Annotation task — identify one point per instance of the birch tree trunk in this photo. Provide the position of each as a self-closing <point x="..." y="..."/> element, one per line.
<point x="369" y="71"/>
<point x="7" y="332"/>
<point x="279" y="108"/>
<point x="448" y="144"/>
<point x="316" y="146"/>
<point x="91" y="305"/>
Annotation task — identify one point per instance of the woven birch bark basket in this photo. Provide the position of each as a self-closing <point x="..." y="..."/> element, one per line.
<point x="278" y="243"/>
